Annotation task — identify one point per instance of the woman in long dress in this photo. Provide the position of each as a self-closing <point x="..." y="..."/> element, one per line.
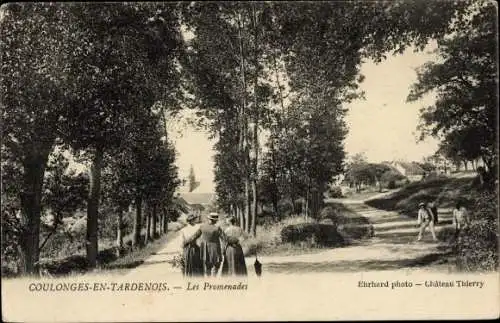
<point x="191" y="256"/>
<point x="234" y="260"/>
<point x="210" y="244"/>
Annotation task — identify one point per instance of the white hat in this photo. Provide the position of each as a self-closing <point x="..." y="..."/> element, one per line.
<point x="213" y="216"/>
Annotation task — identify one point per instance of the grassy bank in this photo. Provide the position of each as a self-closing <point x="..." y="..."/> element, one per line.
<point x="445" y="191"/>
<point x="475" y="249"/>
<point x="72" y="259"/>
<point x="350" y="227"/>
<point x="137" y="257"/>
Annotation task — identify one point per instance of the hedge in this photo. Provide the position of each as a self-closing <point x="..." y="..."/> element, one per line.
<point x="319" y="234"/>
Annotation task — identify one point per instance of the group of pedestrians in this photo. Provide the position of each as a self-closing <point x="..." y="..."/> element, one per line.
<point x="428" y="217"/>
<point x="208" y="250"/>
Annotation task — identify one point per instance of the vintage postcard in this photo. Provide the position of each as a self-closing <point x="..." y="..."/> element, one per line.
<point x="249" y="161"/>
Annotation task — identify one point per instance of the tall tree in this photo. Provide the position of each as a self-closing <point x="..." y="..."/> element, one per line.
<point x="465" y="80"/>
<point x="33" y="92"/>
<point x="119" y="52"/>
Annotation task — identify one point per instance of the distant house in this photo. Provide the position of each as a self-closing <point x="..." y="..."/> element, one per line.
<point x="202" y="199"/>
<point x="410" y="170"/>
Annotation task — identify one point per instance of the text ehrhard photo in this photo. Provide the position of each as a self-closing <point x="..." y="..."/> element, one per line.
<point x="195" y="161"/>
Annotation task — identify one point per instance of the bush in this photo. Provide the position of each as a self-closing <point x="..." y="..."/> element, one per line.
<point x="391" y="185"/>
<point x="356" y="231"/>
<point x="335" y="192"/>
<point x="317" y="233"/>
<point x="77" y="263"/>
<point x="299" y="204"/>
<point x="285" y="208"/>
<point x="328" y="213"/>
<point x="477" y="248"/>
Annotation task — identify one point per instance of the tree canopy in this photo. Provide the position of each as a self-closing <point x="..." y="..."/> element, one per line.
<point x="465" y="80"/>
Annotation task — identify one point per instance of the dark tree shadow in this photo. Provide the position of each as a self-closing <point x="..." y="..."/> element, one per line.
<point x="127" y="265"/>
<point x="357" y="265"/>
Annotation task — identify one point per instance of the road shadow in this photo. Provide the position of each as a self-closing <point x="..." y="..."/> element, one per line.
<point x="127" y="265"/>
<point x="358" y="265"/>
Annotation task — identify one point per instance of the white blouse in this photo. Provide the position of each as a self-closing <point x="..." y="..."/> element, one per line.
<point x="186" y="233"/>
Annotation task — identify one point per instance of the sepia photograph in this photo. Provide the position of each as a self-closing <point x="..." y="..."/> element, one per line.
<point x="249" y="160"/>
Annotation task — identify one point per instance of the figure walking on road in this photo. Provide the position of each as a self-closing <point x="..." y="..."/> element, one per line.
<point x="461" y="219"/>
<point x="424" y="220"/>
<point x="234" y="260"/>
<point x="432" y="206"/>
<point x="191" y="258"/>
<point x="211" y="253"/>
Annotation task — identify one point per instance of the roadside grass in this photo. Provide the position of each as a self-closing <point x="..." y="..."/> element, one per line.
<point x="136" y="257"/>
<point x="350" y="225"/>
<point x="365" y="194"/>
<point x="445" y="191"/>
<point x="108" y="259"/>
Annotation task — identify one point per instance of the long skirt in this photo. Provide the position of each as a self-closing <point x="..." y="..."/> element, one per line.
<point x="192" y="261"/>
<point x="234" y="261"/>
<point x="210" y="254"/>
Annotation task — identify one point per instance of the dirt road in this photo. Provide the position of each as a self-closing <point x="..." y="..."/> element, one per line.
<point x="393" y="247"/>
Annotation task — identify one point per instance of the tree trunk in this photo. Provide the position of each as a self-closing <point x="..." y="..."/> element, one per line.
<point x="254" y="179"/>
<point x="148" y="224"/>
<point x="307" y="203"/>
<point x="119" y="232"/>
<point x="244" y="127"/>
<point x="31" y="197"/>
<point x="161" y="224"/>
<point x="275" y="208"/>
<point x="241" y="217"/>
<point x="315" y="194"/>
<point x="154" y="233"/>
<point x="136" y="238"/>
<point x="255" y="133"/>
<point x="93" y="208"/>
<point x="247" y="207"/>
<point x="254" y="208"/>
<point x="165" y="221"/>
<point x="293" y="198"/>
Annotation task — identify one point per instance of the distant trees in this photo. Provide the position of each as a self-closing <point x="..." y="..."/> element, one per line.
<point x="466" y="81"/>
<point x="360" y="172"/>
<point x="64" y="192"/>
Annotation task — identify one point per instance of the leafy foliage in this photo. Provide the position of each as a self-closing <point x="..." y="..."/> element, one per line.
<point x="465" y="81"/>
<point x="316" y="233"/>
<point x="477" y="247"/>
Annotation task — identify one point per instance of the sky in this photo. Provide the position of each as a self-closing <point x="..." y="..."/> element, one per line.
<point x="383" y="126"/>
